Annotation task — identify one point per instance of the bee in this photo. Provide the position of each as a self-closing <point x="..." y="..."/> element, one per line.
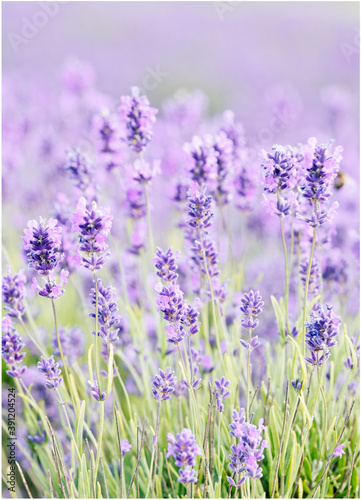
<point x="340" y="180"/>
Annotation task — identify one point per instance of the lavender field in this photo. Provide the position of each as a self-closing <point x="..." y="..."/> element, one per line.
<point x="180" y="282"/>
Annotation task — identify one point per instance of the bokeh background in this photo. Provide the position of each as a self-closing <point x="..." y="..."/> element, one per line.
<point x="288" y="70"/>
<point x="236" y="52"/>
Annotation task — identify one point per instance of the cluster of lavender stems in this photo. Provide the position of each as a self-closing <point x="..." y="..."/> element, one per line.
<point x="182" y="319"/>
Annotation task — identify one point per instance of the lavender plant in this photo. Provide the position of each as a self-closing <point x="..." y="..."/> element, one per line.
<point x="168" y="410"/>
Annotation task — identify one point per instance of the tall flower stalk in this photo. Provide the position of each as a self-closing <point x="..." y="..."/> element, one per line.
<point x="251" y="308"/>
<point x="321" y="169"/>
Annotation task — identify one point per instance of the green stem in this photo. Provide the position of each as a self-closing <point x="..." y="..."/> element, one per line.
<point x="325" y="406"/>
<point x="60" y="348"/>
<point x="62" y="403"/>
<point x="150" y="481"/>
<point x="97" y="360"/>
<point x="319" y="384"/>
<point x="35" y="342"/>
<point x="212" y="297"/>
<point x="302" y="336"/>
<point x="149" y="221"/>
<point x="248" y="372"/>
<point x="100" y="438"/>
<point x="287" y="273"/>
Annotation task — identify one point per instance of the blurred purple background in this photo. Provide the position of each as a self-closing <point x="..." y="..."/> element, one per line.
<point x="234" y="52"/>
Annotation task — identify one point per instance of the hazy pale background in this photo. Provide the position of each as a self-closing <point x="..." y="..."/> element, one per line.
<point x="235" y="55"/>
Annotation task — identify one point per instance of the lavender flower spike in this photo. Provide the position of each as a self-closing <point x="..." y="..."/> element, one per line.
<point x="95" y="391"/>
<point x="138" y="118"/>
<point x="93" y="226"/>
<point x="11" y="345"/>
<point x="164" y="384"/>
<point x="183" y="448"/>
<point x="166" y="265"/>
<point x="42" y="241"/>
<point x="321" y="333"/>
<point x="251" y="308"/>
<point x="187" y="475"/>
<point x="338" y="451"/>
<point x="246" y="454"/>
<point x="125" y="446"/>
<point x="220" y="392"/>
<point x="51" y="371"/>
<point x="13" y="293"/>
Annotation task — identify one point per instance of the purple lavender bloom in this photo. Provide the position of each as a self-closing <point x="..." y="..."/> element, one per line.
<point x="93" y="226"/>
<point x="143" y="172"/>
<point x="164" y="384"/>
<point x="221" y="392"/>
<point x="107" y="309"/>
<point x="277" y="169"/>
<point x="135" y="202"/>
<point x="106" y="127"/>
<point x="166" y="265"/>
<point x="338" y="451"/>
<point x="189" y="319"/>
<point x="232" y="482"/>
<point x="180" y="389"/>
<point x="52" y="289"/>
<point x="138" y="118"/>
<point x="199" y="208"/>
<point x="51" y="371"/>
<point x="320" y="333"/>
<point x="223" y="148"/>
<point x="42" y="242"/>
<point x="95" y="391"/>
<point x="348" y="363"/>
<point x="316" y="359"/>
<point x="322" y="168"/>
<point x="13" y="293"/>
<point x="203" y="161"/>
<point x="183" y="448"/>
<point x="11" y="345"/>
<point x="38" y="438"/>
<point x="79" y="167"/>
<point x="253" y="344"/>
<point x="334" y="273"/>
<point x="314" y="280"/>
<point x="175" y="333"/>
<point x="211" y="256"/>
<point x="251" y="307"/>
<point x="297" y="384"/>
<point x="248" y="452"/>
<point x="196" y="384"/>
<point x="187" y="475"/>
<point x="170" y="302"/>
<point x="125" y="446"/>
